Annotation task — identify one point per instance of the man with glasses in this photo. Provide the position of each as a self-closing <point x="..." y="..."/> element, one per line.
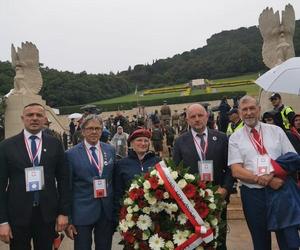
<point x="91" y="164"/>
<point x="284" y="114"/>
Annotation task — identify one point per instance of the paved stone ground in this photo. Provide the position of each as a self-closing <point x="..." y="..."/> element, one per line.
<point x="238" y="239"/>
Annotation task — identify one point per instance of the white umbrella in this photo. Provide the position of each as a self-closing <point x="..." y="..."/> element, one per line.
<point x="285" y="77"/>
<point x="75" y="116"/>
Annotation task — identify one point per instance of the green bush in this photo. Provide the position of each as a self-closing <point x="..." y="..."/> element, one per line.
<point x="156" y="102"/>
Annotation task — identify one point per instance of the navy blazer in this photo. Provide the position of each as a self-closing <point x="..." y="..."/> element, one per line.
<point x="86" y="209"/>
<point x="217" y="150"/>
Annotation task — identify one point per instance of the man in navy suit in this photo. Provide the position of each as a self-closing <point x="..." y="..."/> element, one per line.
<point x="204" y="151"/>
<point x="91" y="164"/>
<point x="34" y="185"/>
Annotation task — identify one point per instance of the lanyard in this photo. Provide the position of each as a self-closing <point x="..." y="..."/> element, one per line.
<point x="256" y="144"/>
<point x="203" y="151"/>
<point x="32" y="157"/>
<point x="92" y="159"/>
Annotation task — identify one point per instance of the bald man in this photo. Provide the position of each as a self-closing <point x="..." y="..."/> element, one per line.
<point x="204" y="151"/>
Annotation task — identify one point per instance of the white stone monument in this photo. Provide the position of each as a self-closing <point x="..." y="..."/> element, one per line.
<point x="27" y="84"/>
<point x="277" y="47"/>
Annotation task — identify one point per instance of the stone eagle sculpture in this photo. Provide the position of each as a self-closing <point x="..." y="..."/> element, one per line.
<point x="278" y="36"/>
<point x="25" y="61"/>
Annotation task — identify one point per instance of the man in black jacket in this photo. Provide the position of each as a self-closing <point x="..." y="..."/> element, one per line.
<point x="205" y="151"/>
<point x="34" y="185"/>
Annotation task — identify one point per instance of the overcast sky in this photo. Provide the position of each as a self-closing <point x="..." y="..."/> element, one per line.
<point x="100" y="36"/>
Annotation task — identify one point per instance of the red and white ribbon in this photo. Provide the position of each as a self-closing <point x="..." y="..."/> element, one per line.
<point x="201" y="232"/>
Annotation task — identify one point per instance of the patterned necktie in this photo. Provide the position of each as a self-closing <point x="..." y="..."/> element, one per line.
<point x="93" y="149"/>
<point x="260" y="147"/>
<point x="34" y="150"/>
<point x="202" y="144"/>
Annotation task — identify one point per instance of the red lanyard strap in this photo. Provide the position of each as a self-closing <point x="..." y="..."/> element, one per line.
<point x="92" y="159"/>
<point x="203" y="151"/>
<point x="32" y="157"/>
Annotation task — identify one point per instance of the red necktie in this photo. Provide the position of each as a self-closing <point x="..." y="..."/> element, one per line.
<point x="259" y="144"/>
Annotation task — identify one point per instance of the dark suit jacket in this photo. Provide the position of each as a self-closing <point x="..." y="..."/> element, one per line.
<point x="15" y="202"/>
<point x="86" y="210"/>
<point x="185" y="150"/>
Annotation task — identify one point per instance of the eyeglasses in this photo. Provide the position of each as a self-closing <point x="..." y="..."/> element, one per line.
<point x="92" y="129"/>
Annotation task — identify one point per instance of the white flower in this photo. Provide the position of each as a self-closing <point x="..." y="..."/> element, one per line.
<point x="128" y="217"/>
<point x="146" y="210"/>
<point x="128" y="201"/>
<point x="173" y="207"/>
<point x="146" y="184"/>
<point x="156" y="208"/>
<point x="186" y="233"/>
<point x="182" y="219"/>
<point x="209" y="192"/>
<point x="202" y="193"/>
<point x="212" y="206"/>
<point x="123" y="226"/>
<point x="153" y="172"/>
<point x="133" y="185"/>
<point x="156" y="242"/>
<point x="211" y="199"/>
<point x="170" y="245"/>
<point x="152" y="200"/>
<point x="182" y="183"/>
<point x="130" y="223"/>
<point x="174" y="175"/>
<point x="214" y="222"/>
<point x="129" y="210"/>
<point x="199" y="248"/>
<point x="136" y="208"/>
<point x="160" y="181"/>
<point x="144" y="221"/>
<point x="189" y="177"/>
<point x="179" y="237"/>
<point x="136" y="245"/>
<point x="166" y="195"/>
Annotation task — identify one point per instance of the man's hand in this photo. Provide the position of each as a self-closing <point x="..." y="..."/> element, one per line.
<point x="264" y="180"/>
<point x="5" y="233"/>
<point x="276" y="183"/>
<point x="222" y="191"/>
<point x="61" y="223"/>
<point x="71" y="231"/>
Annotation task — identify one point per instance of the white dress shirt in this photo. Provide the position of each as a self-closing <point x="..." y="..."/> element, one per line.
<point x="241" y="150"/>
<point x="38" y="143"/>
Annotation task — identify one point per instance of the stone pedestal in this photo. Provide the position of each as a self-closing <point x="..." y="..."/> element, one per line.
<point x="287" y="100"/>
<point x="14" y="110"/>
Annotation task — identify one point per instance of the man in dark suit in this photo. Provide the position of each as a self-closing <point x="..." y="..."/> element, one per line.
<point x="205" y="151"/>
<point x="92" y="164"/>
<point x="34" y="185"/>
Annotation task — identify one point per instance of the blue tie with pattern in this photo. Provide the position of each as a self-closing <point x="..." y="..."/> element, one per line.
<point x="93" y="149"/>
<point x="36" y="196"/>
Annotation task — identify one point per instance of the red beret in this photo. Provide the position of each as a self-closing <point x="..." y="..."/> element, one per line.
<point x="141" y="132"/>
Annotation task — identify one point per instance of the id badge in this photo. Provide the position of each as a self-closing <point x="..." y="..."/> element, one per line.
<point x="99" y="186"/>
<point x="119" y="142"/>
<point x="206" y="170"/>
<point x="263" y="165"/>
<point x="34" y="178"/>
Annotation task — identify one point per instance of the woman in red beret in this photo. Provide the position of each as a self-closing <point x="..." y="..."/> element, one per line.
<point x="139" y="160"/>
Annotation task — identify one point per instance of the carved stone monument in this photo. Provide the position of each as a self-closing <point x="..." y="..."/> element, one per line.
<point x="277" y="47"/>
<point x="27" y="84"/>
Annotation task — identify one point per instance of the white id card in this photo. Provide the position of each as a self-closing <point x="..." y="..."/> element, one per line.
<point x="34" y="178"/>
<point x="263" y="165"/>
<point x="206" y="170"/>
<point x="119" y="142"/>
<point x="99" y="186"/>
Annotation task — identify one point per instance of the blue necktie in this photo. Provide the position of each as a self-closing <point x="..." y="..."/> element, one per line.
<point x="93" y="149"/>
<point x="33" y="150"/>
<point x="36" y="196"/>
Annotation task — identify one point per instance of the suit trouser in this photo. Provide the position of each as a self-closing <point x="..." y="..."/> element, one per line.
<point x="254" y="206"/>
<point x="40" y="232"/>
<point x="103" y="232"/>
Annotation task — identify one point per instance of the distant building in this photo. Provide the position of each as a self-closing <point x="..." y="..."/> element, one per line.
<point x="197" y="83"/>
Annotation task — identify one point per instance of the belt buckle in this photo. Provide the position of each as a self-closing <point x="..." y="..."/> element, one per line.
<point x="35" y="203"/>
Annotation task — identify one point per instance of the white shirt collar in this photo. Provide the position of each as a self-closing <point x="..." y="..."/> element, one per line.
<point x="89" y="145"/>
<point x="27" y="134"/>
<point x="194" y="133"/>
<point x="257" y="126"/>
